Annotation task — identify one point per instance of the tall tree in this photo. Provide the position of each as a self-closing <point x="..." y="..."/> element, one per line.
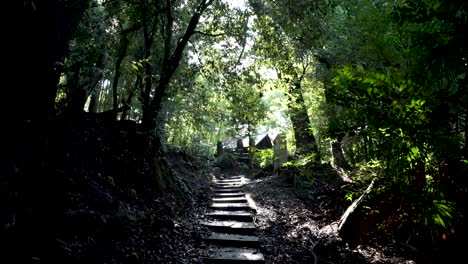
<point x="171" y="58"/>
<point x="45" y="31"/>
<point x="282" y="42"/>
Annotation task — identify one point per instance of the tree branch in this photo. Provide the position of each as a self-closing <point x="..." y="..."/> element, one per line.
<point x="354" y="205"/>
<point x="173" y="62"/>
<point x="204" y="5"/>
<point x="244" y="41"/>
<point x="175" y="58"/>
<point x="167" y="34"/>
<point x="208" y="34"/>
<point x="303" y="72"/>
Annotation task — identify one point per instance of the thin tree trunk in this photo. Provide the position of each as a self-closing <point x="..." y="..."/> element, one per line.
<point x="338" y="156"/>
<point x="121" y="53"/>
<point x="128" y="102"/>
<point x="79" y="95"/>
<point x="148" y="35"/>
<point x="73" y="79"/>
<point x="94" y="103"/>
<point x="366" y="155"/>
<point x="305" y="140"/>
<point x="103" y="97"/>
<point x="465" y="148"/>
<point x="171" y="63"/>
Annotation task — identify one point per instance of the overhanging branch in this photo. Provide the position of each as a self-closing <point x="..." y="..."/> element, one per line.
<point x="208" y="34"/>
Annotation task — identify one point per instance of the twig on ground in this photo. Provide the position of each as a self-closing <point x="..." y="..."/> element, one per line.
<point x="326" y="260"/>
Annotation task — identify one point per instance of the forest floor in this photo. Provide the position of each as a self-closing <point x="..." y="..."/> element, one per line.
<point x="95" y="211"/>
<point x="300" y="226"/>
<point x="99" y="204"/>
<point x="294" y="226"/>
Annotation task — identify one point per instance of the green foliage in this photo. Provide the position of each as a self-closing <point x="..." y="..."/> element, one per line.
<point x="362" y="176"/>
<point x="226" y="162"/>
<point x="388" y="80"/>
<point x="245" y="94"/>
<point x="367" y="171"/>
<point x="436" y="216"/>
<point x="263" y="157"/>
<point x="200" y="150"/>
<point x="426" y="217"/>
<point x="303" y="169"/>
<point x="302" y="161"/>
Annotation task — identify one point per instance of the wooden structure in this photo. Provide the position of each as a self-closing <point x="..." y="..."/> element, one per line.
<point x="241" y="147"/>
<point x="261" y="141"/>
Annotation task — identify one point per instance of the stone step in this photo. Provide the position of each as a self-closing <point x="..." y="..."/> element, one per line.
<point x="239" y="180"/>
<point x="238" y="187"/>
<point x="231" y="227"/>
<point x="229" y="177"/>
<point x="233" y="255"/>
<point x="228" y="194"/>
<point x="241" y="216"/>
<point x="230" y="206"/>
<point x="227" y="190"/>
<point x="225" y="180"/>
<point x="233" y="240"/>
<point x="229" y="200"/>
<point x="228" y="185"/>
<point x="230" y="219"/>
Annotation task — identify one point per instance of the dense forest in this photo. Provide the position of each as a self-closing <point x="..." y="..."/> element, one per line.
<point x="118" y="105"/>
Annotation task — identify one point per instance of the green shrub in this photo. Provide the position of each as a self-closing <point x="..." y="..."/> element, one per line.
<point x="264" y="157"/>
<point x="226" y="161"/>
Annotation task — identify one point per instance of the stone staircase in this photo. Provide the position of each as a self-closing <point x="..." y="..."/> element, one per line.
<point x="232" y="236"/>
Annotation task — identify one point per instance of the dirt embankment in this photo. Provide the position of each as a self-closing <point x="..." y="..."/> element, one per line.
<point x="99" y="203"/>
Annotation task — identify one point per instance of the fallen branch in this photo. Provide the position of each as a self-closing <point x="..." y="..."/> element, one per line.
<point x="324" y="260"/>
<point x="313" y="253"/>
<point x="354" y="205"/>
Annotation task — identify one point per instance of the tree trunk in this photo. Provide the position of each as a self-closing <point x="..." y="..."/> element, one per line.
<point x="171" y="63"/>
<point x="121" y="52"/>
<point x="128" y="102"/>
<point x="219" y="149"/>
<point x="465" y="147"/>
<point x="366" y="154"/>
<point x="77" y="95"/>
<point x="338" y="157"/>
<point x="148" y="35"/>
<point x="80" y="95"/>
<point x="73" y="79"/>
<point x="305" y="140"/>
<point x="95" y="97"/>
<point x="28" y="178"/>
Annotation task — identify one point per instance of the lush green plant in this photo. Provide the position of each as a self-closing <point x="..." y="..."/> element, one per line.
<point x="264" y="157"/>
<point x="201" y="150"/>
<point x="362" y="175"/>
<point x="226" y="161"/>
<point x="436" y="216"/>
